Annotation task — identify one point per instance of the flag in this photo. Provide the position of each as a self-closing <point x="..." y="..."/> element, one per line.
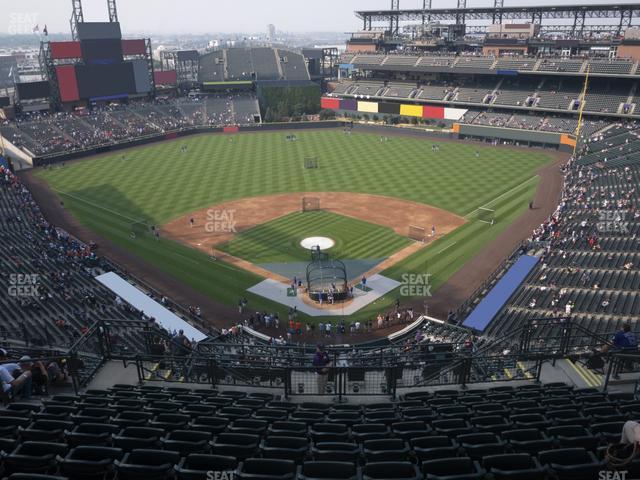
<point x="36" y="29"/>
<point x="45" y="31"/>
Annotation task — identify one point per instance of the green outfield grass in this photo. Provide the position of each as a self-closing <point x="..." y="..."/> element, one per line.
<point x="157" y="183"/>
<point x="278" y="241"/>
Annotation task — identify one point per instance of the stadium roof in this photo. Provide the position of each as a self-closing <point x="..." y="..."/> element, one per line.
<point x="603" y="10"/>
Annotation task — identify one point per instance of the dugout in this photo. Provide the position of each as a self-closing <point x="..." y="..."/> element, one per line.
<point x="326" y="277"/>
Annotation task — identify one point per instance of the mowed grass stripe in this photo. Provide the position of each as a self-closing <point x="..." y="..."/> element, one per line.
<point x="278" y="241"/>
<point x="158" y="183"/>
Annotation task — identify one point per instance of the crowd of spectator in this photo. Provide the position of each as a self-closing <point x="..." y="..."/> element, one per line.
<point x="43" y="134"/>
<point x="588" y="268"/>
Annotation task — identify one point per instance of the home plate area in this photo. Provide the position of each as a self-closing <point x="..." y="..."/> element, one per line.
<point x="377" y="286"/>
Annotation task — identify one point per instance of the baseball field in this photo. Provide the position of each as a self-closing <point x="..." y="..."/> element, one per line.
<point x="228" y="207"/>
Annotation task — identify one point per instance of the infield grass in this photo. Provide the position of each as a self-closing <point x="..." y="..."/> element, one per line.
<point x="278" y="241"/>
<point x="157" y="183"/>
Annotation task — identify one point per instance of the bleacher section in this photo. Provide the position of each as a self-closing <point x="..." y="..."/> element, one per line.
<point x="67" y="132"/>
<point x="293" y="65"/>
<point x="245" y="64"/>
<point x="399" y="90"/>
<point x="515" y="92"/>
<point x="411" y="62"/>
<point x="612" y="67"/>
<point x="482" y="63"/>
<point x="211" y="67"/>
<point x="265" y="63"/>
<point x="560" y="65"/>
<point x="238" y="65"/>
<point x="589" y="268"/>
<point x="606" y="97"/>
<point x="51" y="294"/>
<point x="603" y="96"/>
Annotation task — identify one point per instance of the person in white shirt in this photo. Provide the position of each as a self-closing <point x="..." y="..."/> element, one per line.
<point x="13" y="381"/>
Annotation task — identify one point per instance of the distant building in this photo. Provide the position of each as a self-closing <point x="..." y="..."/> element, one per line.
<point x="8" y="71"/>
<point x="271" y="31"/>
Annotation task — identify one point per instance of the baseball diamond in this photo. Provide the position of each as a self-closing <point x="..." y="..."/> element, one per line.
<point x="240" y="203"/>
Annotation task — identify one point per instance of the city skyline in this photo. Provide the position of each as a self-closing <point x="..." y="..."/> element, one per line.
<point x="201" y="17"/>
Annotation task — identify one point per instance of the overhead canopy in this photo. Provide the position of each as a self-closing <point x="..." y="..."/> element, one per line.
<point x="138" y="299"/>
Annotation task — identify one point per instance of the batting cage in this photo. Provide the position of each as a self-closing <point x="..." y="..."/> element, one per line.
<point x="326" y="278"/>
<point x="310" y="204"/>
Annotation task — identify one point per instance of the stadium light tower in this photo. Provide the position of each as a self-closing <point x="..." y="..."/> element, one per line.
<point x="497" y="5"/>
<point x="395" y="18"/>
<point x="113" y="11"/>
<point x="76" y="17"/>
<point x="460" y="17"/>
<point x="426" y="5"/>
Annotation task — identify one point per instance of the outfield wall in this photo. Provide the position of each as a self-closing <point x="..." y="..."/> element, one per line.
<point x="559" y="141"/>
<point x="432" y="112"/>
<point x="51" y="159"/>
<point x="532" y="138"/>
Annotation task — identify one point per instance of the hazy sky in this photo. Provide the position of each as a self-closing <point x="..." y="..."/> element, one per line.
<point x="202" y="16"/>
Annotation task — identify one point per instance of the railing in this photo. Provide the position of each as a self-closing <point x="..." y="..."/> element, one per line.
<point x="364" y="371"/>
<point x="621" y="361"/>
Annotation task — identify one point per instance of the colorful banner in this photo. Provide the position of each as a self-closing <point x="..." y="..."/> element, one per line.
<point x="411" y="110"/>
<point x="368" y="107"/>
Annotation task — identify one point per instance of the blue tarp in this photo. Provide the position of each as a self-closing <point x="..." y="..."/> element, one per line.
<point x="3" y="162"/>
<point x="498" y="296"/>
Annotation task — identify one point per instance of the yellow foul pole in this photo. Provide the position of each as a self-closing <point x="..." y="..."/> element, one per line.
<point x="582" y="102"/>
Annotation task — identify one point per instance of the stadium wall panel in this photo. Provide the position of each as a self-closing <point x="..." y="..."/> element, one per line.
<point x="389" y="108"/>
<point x="54" y="158"/>
<point x="368" y="107"/>
<point x="330" y="103"/>
<point x="432" y="111"/>
<point x="141" y="75"/>
<point x="62" y="50"/>
<point x="188" y="56"/>
<point x="411" y="110"/>
<point x="134" y="47"/>
<point x="166" y="77"/>
<point x="512" y="134"/>
<point x="99" y="30"/>
<point x="33" y="90"/>
<point x="348" y="104"/>
<point x="68" y="83"/>
<point x="99" y="81"/>
<point x="454" y="113"/>
<point x="102" y="51"/>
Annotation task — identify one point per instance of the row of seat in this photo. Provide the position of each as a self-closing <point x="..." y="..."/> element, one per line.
<point x="87" y="462"/>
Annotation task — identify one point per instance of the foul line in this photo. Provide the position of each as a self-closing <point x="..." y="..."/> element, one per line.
<point x="445" y="248"/>
<point x="503" y="195"/>
<point x="113" y="212"/>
